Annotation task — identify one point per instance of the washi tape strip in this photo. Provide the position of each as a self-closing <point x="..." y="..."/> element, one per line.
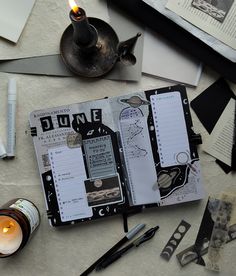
<point x="74" y="140"/>
<point x="220" y="231"/>
<point x="189" y="254"/>
<point x="175" y="240"/>
<point x="205" y="229"/>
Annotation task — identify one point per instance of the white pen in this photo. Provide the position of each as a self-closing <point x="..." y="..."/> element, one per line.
<point x="11" y="119"/>
<point x="3" y="152"/>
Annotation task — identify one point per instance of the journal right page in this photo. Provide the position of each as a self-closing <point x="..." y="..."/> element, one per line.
<point x="175" y="155"/>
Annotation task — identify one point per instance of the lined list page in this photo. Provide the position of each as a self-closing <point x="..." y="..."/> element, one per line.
<point x="170" y="128"/>
<point x="69" y="175"/>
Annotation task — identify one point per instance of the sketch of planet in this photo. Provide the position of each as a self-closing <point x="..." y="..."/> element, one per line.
<point x="165" y="179"/>
<point x="135" y="101"/>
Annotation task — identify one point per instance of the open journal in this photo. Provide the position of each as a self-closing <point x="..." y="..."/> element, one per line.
<point x="102" y="157"/>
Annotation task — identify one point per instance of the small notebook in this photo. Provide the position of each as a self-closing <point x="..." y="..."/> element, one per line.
<point x="13" y="17"/>
<point x="104" y="157"/>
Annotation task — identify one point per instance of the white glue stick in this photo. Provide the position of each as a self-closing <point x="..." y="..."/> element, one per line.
<point x="11" y="119"/>
<point x="3" y="152"/>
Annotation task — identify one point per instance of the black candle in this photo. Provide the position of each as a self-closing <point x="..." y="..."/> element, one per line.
<point x="85" y="35"/>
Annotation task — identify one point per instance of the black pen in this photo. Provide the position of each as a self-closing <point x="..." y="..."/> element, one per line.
<point x="118" y="254"/>
<point x="114" y="248"/>
<point x="233" y="157"/>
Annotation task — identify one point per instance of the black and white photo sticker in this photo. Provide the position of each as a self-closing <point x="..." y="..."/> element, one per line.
<point x="218" y="9"/>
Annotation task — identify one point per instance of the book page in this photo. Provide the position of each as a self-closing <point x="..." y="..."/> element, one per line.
<point x="211" y="41"/>
<point x="69" y="175"/>
<point x="214" y="17"/>
<point x="220" y="142"/>
<point x="171" y="130"/>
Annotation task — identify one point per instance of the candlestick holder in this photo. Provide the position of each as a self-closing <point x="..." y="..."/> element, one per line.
<point x="19" y="218"/>
<point x="90" y="47"/>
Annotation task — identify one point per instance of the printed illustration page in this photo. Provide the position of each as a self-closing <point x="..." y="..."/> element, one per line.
<point x="220" y="142"/>
<point x="214" y="17"/>
<point x="139" y="160"/>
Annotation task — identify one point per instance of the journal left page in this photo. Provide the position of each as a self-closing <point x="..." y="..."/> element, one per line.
<point x="79" y="162"/>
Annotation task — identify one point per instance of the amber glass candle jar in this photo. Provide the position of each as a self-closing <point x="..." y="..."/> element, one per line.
<point x="19" y="218"/>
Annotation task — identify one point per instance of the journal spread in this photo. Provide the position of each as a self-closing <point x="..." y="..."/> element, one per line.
<point x="101" y="157"/>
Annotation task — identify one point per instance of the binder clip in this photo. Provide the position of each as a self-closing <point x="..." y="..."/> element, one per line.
<point x="31" y="131"/>
<point x="195" y="139"/>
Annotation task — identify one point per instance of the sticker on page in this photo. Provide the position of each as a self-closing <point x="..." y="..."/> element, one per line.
<point x="104" y="190"/>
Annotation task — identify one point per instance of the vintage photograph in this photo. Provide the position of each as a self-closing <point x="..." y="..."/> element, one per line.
<point x="103" y="191"/>
<point x="217" y="9"/>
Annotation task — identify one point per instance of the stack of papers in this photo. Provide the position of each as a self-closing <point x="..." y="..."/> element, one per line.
<point x="163" y="59"/>
<point x="13" y="17"/>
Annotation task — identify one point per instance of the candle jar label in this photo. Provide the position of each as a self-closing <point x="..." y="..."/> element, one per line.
<point x="29" y="210"/>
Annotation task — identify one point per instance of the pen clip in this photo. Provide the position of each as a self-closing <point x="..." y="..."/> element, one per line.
<point x="146" y="236"/>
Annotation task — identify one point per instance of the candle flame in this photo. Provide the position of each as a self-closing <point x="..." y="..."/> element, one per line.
<point x="5" y="229"/>
<point x="8" y="228"/>
<point x="74" y="6"/>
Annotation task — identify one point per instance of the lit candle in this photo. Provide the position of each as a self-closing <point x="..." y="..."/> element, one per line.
<point x="19" y="218"/>
<point x="11" y="235"/>
<point x="84" y="35"/>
